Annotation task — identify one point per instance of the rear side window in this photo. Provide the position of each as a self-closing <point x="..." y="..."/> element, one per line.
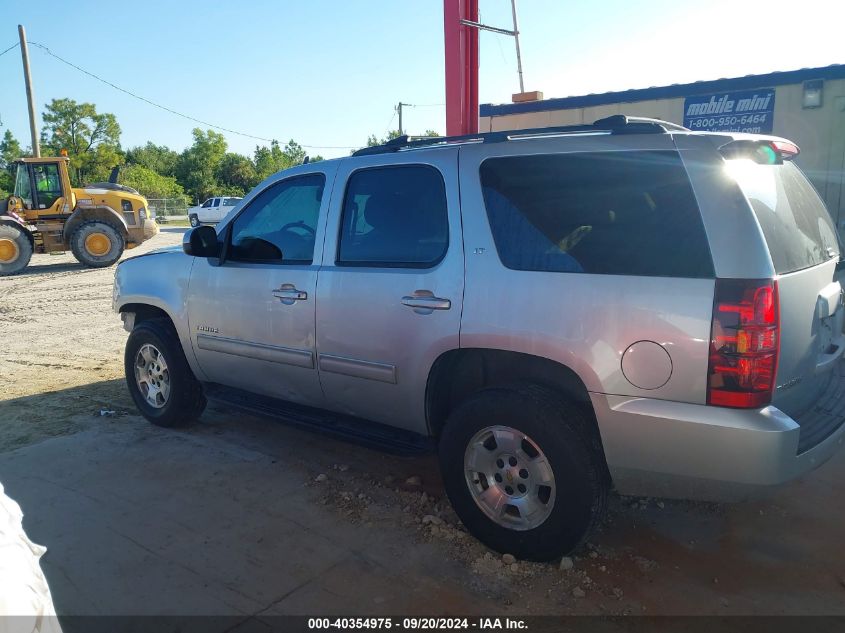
<point x="394" y="217"/>
<point x="798" y="229"/>
<point x="611" y="213"/>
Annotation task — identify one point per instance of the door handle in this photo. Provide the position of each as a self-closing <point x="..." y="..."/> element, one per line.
<point x="426" y="302"/>
<point x="286" y="293"/>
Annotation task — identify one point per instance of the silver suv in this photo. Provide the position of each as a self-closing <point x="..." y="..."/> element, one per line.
<point x="624" y="304"/>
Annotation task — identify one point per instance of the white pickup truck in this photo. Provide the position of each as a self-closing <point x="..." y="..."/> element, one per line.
<point x="212" y="210"/>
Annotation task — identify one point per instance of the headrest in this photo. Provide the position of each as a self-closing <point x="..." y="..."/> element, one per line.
<point x="382" y="209"/>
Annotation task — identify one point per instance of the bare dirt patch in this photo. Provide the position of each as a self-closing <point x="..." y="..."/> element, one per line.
<point x="57" y="330"/>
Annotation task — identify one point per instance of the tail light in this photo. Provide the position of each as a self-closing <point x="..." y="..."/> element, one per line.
<point x="762" y="152"/>
<point x="744" y="342"/>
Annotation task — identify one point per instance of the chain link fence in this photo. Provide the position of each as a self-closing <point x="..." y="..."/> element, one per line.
<point x="164" y="208"/>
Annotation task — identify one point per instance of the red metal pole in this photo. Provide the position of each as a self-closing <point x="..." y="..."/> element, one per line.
<point x="461" y="53"/>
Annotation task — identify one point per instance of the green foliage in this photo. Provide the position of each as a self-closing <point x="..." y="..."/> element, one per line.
<point x="197" y="166"/>
<point x="151" y="184"/>
<point x="92" y="140"/>
<point x="236" y="175"/>
<point x="10" y="151"/>
<point x="158" y="158"/>
<point x="203" y="170"/>
<point x="373" y="140"/>
<point x="269" y="160"/>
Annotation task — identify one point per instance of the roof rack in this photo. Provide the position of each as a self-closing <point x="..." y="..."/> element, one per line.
<point x="616" y="124"/>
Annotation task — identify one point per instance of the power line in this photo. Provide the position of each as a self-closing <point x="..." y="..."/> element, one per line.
<point x="170" y="110"/>
<point x="15" y="45"/>
<point x="387" y="129"/>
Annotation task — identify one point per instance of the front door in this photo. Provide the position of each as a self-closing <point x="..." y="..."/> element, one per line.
<point x="391" y="286"/>
<point x="48" y="188"/>
<point x="252" y="318"/>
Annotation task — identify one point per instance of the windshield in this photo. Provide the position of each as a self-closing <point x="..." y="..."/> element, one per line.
<point x="23" y="186"/>
<point x="797" y="226"/>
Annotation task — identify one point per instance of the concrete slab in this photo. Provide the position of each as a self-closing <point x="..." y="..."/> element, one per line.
<point x="141" y="520"/>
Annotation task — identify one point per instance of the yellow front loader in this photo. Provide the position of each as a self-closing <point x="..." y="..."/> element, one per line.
<point x="45" y="215"/>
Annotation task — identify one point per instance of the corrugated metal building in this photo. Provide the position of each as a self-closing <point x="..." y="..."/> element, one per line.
<point x="806" y="106"/>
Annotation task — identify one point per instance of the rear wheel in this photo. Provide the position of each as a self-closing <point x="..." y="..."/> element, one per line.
<point x="97" y="244"/>
<point x="523" y="472"/>
<point x="158" y="376"/>
<point x="15" y="250"/>
<point x="195" y="221"/>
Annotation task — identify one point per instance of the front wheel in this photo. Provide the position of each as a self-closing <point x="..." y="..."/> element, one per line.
<point x="158" y="376"/>
<point x="15" y="250"/>
<point x="195" y="221"/>
<point x="524" y="471"/>
<point x="97" y="244"/>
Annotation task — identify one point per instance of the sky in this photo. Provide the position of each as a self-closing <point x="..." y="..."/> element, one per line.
<point x="328" y="73"/>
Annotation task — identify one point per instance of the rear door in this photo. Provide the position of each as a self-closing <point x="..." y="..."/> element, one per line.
<point x="391" y="286"/>
<point x="804" y="248"/>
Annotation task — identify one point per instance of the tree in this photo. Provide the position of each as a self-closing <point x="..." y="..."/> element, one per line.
<point x="269" y="160"/>
<point x="92" y="140"/>
<point x="10" y="151"/>
<point x="158" y="158"/>
<point x="197" y="167"/>
<point x="150" y="184"/>
<point x="373" y="140"/>
<point x="236" y="174"/>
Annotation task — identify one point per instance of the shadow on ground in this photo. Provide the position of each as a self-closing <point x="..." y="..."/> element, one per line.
<point x="250" y="518"/>
<point x="30" y="419"/>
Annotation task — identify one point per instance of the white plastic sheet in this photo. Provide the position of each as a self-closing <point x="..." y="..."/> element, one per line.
<point x="24" y="592"/>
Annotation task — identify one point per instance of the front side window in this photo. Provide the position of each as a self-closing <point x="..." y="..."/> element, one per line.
<point x="612" y="213"/>
<point x="207" y="203"/>
<point x="394" y="217"/>
<point x="279" y="225"/>
<point x="23" y="186"/>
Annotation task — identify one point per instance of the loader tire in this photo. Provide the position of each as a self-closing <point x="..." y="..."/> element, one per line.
<point x="97" y="244"/>
<point x="15" y="250"/>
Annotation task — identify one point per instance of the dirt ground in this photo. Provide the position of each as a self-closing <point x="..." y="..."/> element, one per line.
<point x="65" y="416"/>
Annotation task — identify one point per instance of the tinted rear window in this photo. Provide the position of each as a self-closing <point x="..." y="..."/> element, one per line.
<point x="797" y="227"/>
<point x="612" y="213"/>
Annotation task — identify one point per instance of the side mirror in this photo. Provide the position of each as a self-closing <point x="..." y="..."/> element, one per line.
<point x="201" y="242"/>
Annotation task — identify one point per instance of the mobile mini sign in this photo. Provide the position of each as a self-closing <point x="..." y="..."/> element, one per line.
<point x="750" y="111"/>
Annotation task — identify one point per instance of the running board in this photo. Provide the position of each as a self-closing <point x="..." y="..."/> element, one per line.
<point x="356" y="430"/>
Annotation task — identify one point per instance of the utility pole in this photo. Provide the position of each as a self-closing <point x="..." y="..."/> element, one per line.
<point x="516" y="40"/>
<point x="399" y="110"/>
<point x="33" y="128"/>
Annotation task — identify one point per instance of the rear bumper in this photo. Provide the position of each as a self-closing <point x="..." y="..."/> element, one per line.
<point x="674" y="449"/>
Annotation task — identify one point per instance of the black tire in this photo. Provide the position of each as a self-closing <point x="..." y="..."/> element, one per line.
<point x="16" y="250"/>
<point x="186" y="401"/>
<point x="564" y="434"/>
<point x="195" y="221"/>
<point x="91" y="259"/>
